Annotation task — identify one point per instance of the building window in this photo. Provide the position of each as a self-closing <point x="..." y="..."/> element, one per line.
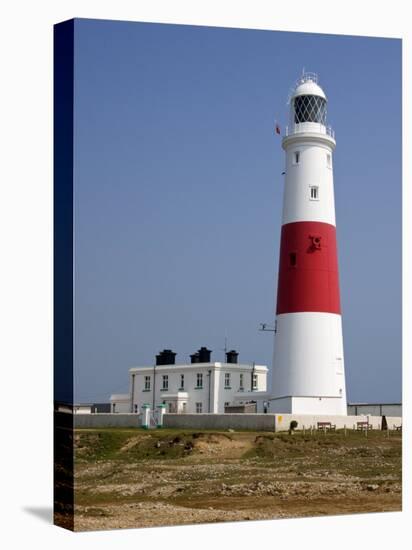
<point x="182" y="381"/>
<point x="314" y="192"/>
<point x="296" y="157"/>
<point x="198" y="407"/>
<point x="329" y="160"/>
<point x="227" y="403"/>
<point x="227" y="380"/>
<point x="136" y="409"/>
<point x="292" y="259"/>
<point x="165" y="379"/>
<point x="147" y="383"/>
<point x="255" y="382"/>
<point x="241" y="387"/>
<point x="199" y="380"/>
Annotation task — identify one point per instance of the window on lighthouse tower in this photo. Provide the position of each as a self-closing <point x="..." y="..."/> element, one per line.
<point x="310" y="108"/>
<point x="329" y="160"/>
<point x="314" y="192"/>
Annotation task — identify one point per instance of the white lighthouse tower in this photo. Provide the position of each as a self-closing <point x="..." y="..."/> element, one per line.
<point x="308" y="375"/>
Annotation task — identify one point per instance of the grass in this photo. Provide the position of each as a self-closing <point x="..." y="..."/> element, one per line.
<point x="222" y="475"/>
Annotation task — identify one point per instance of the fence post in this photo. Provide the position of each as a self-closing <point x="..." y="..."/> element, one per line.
<point x="161" y="409"/>
<point x="145" y="416"/>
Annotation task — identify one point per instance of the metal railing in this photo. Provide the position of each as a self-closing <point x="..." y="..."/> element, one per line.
<point x="313" y="128"/>
<point x="306" y="77"/>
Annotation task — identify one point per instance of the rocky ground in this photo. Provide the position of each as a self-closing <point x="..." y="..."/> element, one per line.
<point x="132" y="478"/>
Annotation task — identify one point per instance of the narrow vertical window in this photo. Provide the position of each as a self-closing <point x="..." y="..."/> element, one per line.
<point x="328" y="160"/>
<point x="296" y="157"/>
<point x="255" y="381"/>
<point x="199" y="407"/>
<point x="165" y="381"/>
<point x="292" y="259"/>
<point x="227" y="380"/>
<point x="182" y="381"/>
<point x="314" y="192"/>
<point x="241" y="382"/>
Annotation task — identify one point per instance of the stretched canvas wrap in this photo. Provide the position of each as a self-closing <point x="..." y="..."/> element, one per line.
<point x="227" y="269"/>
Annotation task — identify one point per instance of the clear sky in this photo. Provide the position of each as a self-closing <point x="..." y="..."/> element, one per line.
<point x="178" y="195"/>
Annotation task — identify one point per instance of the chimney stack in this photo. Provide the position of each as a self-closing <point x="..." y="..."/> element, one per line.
<point x="204" y="355"/>
<point x="231" y="356"/>
<point x="194" y="358"/>
<point x="166" y="357"/>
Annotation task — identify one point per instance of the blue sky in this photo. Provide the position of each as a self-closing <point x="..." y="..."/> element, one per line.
<point x="178" y="195"/>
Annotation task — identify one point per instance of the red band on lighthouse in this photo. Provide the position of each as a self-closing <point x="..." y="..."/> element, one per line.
<point x="308" y="269"/>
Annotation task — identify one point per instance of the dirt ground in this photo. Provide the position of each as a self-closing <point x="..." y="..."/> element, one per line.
<point x="135" y="478"/>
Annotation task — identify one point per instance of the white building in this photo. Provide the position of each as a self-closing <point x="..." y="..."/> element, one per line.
<point x="120" y="403"/>
<point x="201" y="386"/>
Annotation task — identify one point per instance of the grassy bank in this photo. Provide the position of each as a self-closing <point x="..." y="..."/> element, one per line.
<point x="192" y="476"/>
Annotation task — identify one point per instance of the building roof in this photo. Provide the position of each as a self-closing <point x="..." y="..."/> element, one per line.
<point x="194" y="366"/>
<point x="120" y="397"/>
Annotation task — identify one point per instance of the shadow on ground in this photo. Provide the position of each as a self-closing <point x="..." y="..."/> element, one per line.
<point x="44" y="513"/>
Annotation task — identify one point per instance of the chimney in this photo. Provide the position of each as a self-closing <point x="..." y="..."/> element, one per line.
<point x="194" y="358"/>
<point x="204" y="355"/>
<point x="166" y="357"/>
<point x="231" y="356"/>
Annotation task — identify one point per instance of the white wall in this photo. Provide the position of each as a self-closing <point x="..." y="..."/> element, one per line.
<point x="196" y="395"/>
<point x="282" y="405"/>
<point x="308" y="356"/>
<point x="260" y="397"/>
<point x="219" y="395"/>
<point x="82" y="409"/>
<point x="309" y="405"/>
<point x="312" y="169"/>
<point x="120" y="403"/>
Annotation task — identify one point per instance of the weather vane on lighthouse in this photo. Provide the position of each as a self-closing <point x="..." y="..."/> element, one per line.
<point x="308" y="368"/>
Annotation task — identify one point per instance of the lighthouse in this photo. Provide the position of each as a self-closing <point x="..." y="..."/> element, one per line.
<point x="308" y="374"/>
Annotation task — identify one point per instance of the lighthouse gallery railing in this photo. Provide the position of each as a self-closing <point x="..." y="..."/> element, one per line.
<point x="314" y="127"/>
